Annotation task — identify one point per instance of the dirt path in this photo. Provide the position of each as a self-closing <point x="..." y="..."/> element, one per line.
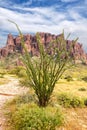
<point x="8" y="91"/>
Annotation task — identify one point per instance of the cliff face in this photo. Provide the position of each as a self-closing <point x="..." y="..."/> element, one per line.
<point x="14" y="45"/>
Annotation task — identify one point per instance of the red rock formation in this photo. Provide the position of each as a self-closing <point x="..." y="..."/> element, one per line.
<point x="14" y="44"/>
<point x="4" y="52"/>
<point x="10" y="44"/>
<point x="10" y="40"/>
<point x="77" y="51"/>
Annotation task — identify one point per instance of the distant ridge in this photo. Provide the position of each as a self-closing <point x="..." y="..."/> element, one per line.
<point x="13" y="45"/>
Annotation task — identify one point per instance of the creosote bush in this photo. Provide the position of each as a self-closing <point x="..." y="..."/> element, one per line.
<point x="24" y="82"/>
<point x="1" y="75"/>
<point x="85" y="102"/>
<point x="76" y="102"/>
<point x="82" y="89"/>
<point x="23" y="99"/>
<point x="67" y="100"/>
<point x="19" y="71"/>
<point x="64" y="99"/>
<point x="69" y="78"/>
<point x="85" y="78"/>
<point x="35" y="118"/>
<point x="52" y="62"/>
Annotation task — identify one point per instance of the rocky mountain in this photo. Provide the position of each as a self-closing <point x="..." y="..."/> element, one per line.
<point x="13" y="44"/>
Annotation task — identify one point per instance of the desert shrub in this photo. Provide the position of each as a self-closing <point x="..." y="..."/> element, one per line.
<point x="82" y="89"/>
<point x="22" y="73"/>
<point x="24" y="82"/>
<point x="12" y="71"/>
<point x="23" y="99"/>
<point x="85" y="78"/>
<point x="35" y="118"/>
<point x="1" y="75"/>
<point x="2" y="64"/>
<point x="76" y="102"/>
<point x="11" y="60"/>
<point x="85" y="102"/>
<point x="19" y="71"/>
<point x="64" y="100"/>
<point x="69" y="78"/>
<point x="3" y="71"/>
<point x="67" y="100"/>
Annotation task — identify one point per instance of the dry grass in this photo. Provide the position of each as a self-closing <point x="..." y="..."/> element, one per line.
<point x="71" y="87"/>
<point x="76" y="119"/>
<point x="6" y="79"/>
<point x="3" y="81"/>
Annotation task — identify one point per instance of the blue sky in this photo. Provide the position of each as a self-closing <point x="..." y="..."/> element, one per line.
<point x="44" y="16"/>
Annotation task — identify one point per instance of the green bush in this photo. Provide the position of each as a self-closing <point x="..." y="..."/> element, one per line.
<point x="64" y="100"/>
<point x="1" y="75"/>
<point x="15" y="70"/>
<point x="69" y="78"/>
<point x="67" y="100"/>
<point x="82" y="89"/>
<point x="12" y="71"/>
<point x="35" y="118"/>
<point x="22" y="73"/>
<point x="24" y="82"/>
<point x="85" y="78"/>
<point x="23" y="99"/>
<point x="85" y="102"/>
<point x="19" y="71"/>
<point x="3" y="72"/>
<point x="77" y="102"/>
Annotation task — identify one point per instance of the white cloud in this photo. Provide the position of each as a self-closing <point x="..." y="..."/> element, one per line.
<point x="41" y="19"/>
<point x="38" y="19"/>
